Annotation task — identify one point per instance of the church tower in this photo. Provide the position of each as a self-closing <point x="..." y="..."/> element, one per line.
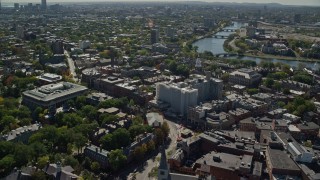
<point x="163" y="170"/>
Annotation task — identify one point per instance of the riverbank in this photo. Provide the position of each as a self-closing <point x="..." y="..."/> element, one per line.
<point x="210" y="34"/>
<point x="286" y="58"/>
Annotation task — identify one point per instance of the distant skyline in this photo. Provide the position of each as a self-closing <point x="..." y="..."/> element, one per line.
<point x="285" y="2"/>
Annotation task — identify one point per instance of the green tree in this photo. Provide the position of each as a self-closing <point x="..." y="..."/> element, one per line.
<point x="38" y="149"/>
<point x="165" y="129"/>
<point x="159" y="136"/>
<point x="80" y="101"/>
<point x="71" y="161"/>
<point x="151" y="146"/>
<point x="117" y="159"/>
<point x="281" y="104"/>
<point x="122" y="137"/>
<point x="252" y="91"/>
<point x="286" y="91"/>
<point x="22" y="154"/>
<point x="225" y="77"/>
<point x="42" y="161"/>
<point x="95" y="167"/>
<point x="89" y="112"/>
<point x="6" y="148"/>
<point x="268" y="82"/>
<point x="79" y="141"/>
<point x="7" y="163"/>
<point x="71" y="120"/>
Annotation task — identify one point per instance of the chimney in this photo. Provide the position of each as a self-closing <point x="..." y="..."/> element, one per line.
<point x="100" y="149"/>
<point x="96" y="149"/>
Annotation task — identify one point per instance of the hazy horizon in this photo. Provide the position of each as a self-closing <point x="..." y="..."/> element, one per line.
<point x="285" y="2"/>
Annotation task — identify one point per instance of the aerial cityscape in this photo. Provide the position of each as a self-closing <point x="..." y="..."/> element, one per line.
<point x="168" y="90"/>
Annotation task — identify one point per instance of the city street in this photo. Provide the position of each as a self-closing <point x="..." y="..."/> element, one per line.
<point x="142" y="173"/>
<point x="71" y="66"/>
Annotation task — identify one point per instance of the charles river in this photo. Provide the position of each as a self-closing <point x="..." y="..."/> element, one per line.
<point x="215" y="45"/>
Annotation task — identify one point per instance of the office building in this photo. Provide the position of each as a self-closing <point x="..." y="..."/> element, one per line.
<point x="208" y="88"/>
<point x="189" y="93"/>
<point x="154" y="38"/>
<point x="52" y="95"/>
<point x="245" y="77"/>
<point x="43" y="4"/>
<point x="179" y="95"/>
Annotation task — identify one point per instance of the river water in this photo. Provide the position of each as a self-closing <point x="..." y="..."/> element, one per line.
<point x="215" y="45"/>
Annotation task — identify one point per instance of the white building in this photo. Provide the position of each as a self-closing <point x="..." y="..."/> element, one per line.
<point x="178" y="95"/>
<point x="189" y="93"/>
<point x="299" y="153"/>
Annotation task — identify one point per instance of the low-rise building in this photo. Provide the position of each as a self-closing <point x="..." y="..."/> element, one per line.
<point x="48" y="78"/>
<point x="309" y="130"/>
<point x="57" y="171"/>
<point x="291" y="118"/>
<point x="224" y="166"/>
<point x="96" y="98"/>
<point x="248" y="124"/>
<point x="21" y="134"/>
<point x="300" y="153"/>
<point x="239" y="114"/>
<point x="154" y="119"/>
<point x="245" y="77"/>
<point x="280" y="164"/>
<point x="97" y="154"/>
<point x="52" y="95"/>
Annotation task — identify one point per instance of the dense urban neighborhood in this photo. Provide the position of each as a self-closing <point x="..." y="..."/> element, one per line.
<point x="159" y="90"/>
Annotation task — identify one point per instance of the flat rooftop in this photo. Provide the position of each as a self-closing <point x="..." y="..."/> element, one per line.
<point x="53" y="91"/>
<point x="280" y="160"/>
<point x="226" y="161"/>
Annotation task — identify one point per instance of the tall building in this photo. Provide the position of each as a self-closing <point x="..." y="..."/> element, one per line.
<point x="43" y="4"/>
<point x="178" y="95"/>
<point x="208" y="88"/>
<point x="154" y="36"/>
<point x="20" y="31"/>
<point x="189" y="93"/>
<point x="16" y="6"/>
